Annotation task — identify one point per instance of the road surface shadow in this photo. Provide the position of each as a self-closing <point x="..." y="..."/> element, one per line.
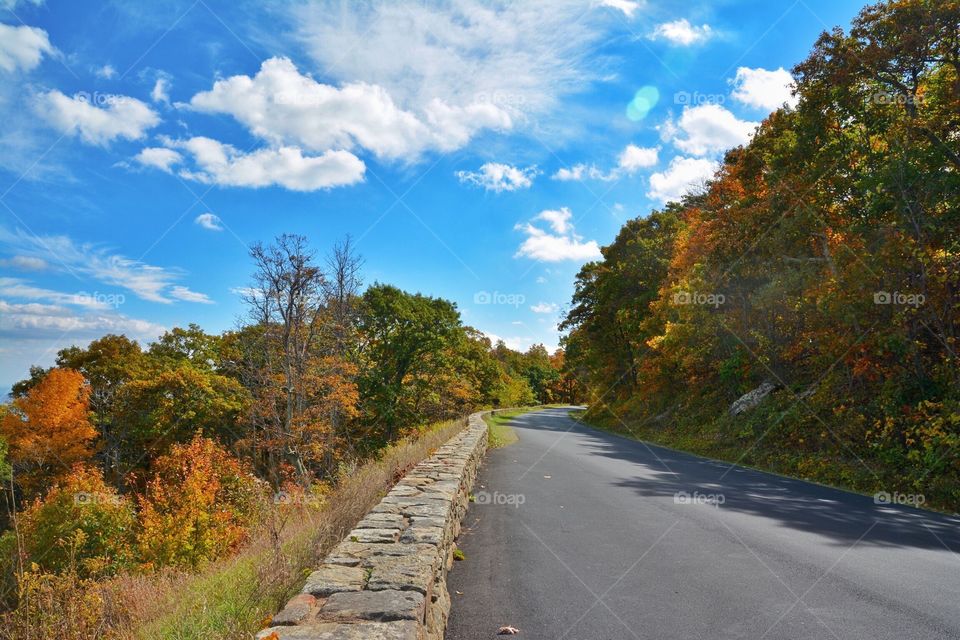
<point x="839" y="515"/>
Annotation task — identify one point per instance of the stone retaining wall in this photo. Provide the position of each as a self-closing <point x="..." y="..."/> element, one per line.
<point x="388" y="579"/>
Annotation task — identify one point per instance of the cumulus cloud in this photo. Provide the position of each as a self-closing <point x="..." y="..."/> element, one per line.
<point x="708" y="128"/>
<point x="763" y="89"/>
<point x="634" y="158"/>
<point x="682" y="176"/>
<point x="120" y="117"/>
<point x="495" y="176"/>
<point x="209" y="221"/>
<point x="22" y="47"/>
<point x="681" y="32"/>
<point x="85" y="261"/>
<point x="285" y="107"/>
<point x="224" y="165"/>
<point x="629" y="161"/>
<point x="545" y="307"/>
<point x="161" y="90"/>
<point x="558" y="243"/>
<point x="158" y="158"/>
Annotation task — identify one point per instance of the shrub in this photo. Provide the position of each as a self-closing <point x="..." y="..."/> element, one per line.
<point x="198" y="505"/>
<point x="82" y="524"/>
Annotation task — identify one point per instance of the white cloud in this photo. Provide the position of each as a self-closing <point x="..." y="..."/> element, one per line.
<point x="634" y="158"/>
<point x="707" y="129"/>
<point x="22" y="47"/>
<point x="183" y="293"/>
<point x="161" y="90"/>
<point x="681" y="32"/>
<point x="24" y="290"/>
<point x="763" y="89"/>
<point x="629" y="161"/>
<point x="559" y="219"/>
<point x="284" y="107"/>
<point x="33" y="321"/>
<point x="562" y="244"/>
<point x="209" y="221"/>
<point x="579" y="172"/>
<point x="146" y="281"/>
<point x="494" y="176"/>
<point x="122" y="117"/>
<point x="25" y="263"/>
<point x="518" y="56"/>
<point x="545" y="307"/>
<point x="224" y="165"/>
<point x="628" y="7"/>
<point x="158" y="158"/>
<point x="684" y="175"/>
<point x="13" y="4"/>
<point x="106" y="71"/>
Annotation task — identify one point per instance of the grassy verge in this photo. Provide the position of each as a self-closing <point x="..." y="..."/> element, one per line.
<point x="498" y="425"/>
<point x="235" y="598"/>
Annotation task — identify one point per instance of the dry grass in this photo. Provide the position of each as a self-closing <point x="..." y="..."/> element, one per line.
<point x="232" y="598"/>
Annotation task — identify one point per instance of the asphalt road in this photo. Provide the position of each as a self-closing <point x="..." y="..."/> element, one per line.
<point x="581" y="535"/>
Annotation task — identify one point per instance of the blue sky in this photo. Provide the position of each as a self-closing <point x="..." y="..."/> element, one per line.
<point x="481" y="152"/>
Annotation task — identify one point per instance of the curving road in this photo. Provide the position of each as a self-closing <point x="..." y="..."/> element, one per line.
<point x="582" y="535"/>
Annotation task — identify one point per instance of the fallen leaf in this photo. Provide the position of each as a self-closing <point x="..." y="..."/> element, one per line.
<point x="508" y="631"/>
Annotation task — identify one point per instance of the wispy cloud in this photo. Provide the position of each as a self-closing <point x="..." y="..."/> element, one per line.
<point x="148" y="282"/>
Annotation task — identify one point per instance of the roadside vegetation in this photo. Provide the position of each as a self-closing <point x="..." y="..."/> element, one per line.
<point x="501" y="434"/>
<point x="819" y="271"/>
<point x="180" y="489"/>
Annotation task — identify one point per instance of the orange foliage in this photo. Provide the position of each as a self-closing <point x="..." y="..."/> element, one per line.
<point x="198" y="505"/>
<point x="49" y="429"/>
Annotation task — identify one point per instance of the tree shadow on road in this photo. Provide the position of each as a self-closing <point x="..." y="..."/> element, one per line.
<point x="841" y="516"/>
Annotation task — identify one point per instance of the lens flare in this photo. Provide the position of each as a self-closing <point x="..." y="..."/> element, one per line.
<point x="643" y="101"/>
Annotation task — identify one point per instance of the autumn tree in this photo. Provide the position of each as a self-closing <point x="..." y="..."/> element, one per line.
<point x="49" y="429"/>
<point x="198" y="505"/>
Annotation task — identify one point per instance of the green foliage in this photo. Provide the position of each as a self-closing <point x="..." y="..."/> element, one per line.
<point x="824" y="257"/>
<point x="81" y="525"/>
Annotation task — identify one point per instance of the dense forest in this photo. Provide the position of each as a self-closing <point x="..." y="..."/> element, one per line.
<point x="820" y="268"/>
<point x="122" y="459"/>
